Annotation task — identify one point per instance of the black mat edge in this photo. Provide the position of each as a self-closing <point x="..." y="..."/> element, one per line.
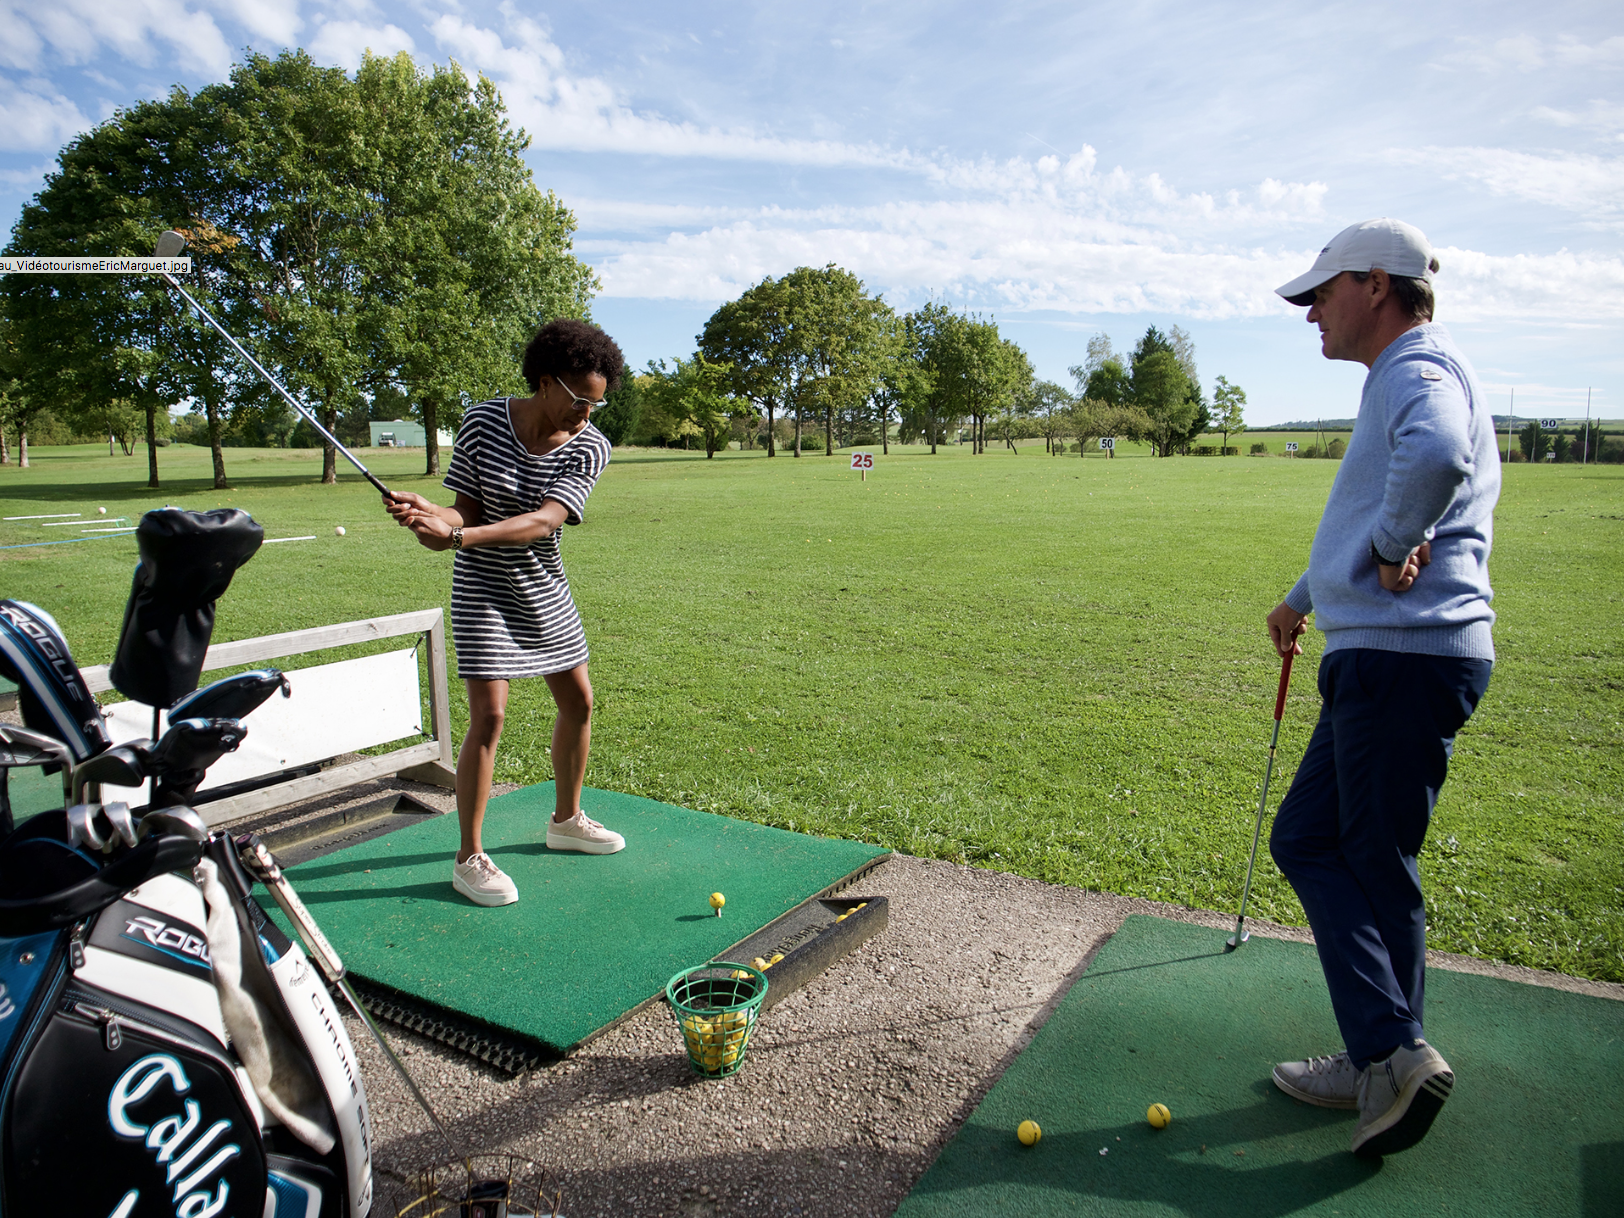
<point x="513" y="1052"/>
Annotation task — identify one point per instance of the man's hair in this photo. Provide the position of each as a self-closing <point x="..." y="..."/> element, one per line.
<point x="1414" y="295"/>
<point x="566" y="347"/>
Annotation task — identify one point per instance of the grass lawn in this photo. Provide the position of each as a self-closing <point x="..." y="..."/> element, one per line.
<point x="1045" y="665"/>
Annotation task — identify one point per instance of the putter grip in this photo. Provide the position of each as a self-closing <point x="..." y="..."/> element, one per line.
<point x="1285" y="680"/>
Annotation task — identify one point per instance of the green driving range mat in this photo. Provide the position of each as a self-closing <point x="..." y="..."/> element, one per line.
<point x="591" y="936"/>
<point x="1535" y="1125"/>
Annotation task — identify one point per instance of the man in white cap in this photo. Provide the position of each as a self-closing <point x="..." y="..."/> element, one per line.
<point x="1398" y="582"/>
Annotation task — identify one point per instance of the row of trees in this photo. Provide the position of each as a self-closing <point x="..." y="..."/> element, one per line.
<point x="375" y="241"/>
<point x="814" y="353"/>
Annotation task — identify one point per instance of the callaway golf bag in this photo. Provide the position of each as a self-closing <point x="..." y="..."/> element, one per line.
<point x="165" y="1049"/>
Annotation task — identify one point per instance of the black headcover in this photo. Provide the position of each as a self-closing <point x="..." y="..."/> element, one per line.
<point x="187" y="561"/>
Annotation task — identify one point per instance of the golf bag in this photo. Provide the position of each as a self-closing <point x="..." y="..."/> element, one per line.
<point x="165" y="1049"/>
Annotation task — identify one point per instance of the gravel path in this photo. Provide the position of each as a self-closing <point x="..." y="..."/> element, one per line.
<point x="853" y="1085"/>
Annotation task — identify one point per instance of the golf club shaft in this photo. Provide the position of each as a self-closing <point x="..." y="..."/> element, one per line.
<point x="276" y="385"/>
<point x="263" y="866"/>
<point x="1263" y="800"/>
<point x="400" y="1069"/>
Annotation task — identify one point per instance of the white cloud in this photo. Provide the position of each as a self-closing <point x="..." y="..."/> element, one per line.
<point x="275" y="21"/>
<point x="1604" y="116"/>
<point x="1529" y="53"/>
<point x="145" y="32"/>
<point x="36" y="122"/>
<point x="343" y="43"/>
<point x="1590" y="186"/>
<point x="1029" y="255"/>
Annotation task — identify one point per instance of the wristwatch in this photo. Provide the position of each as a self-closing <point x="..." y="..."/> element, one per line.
<point x="456" y="538"/>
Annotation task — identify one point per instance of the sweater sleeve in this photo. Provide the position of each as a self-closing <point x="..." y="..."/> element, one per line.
<point x="1299" y="597"/>
<point x="1428" y="434"/>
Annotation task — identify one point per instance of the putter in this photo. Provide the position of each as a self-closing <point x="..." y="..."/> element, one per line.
<point x="1241" y="934"/>
<point x="170" y="244"/>
<point x="262" y="865"/>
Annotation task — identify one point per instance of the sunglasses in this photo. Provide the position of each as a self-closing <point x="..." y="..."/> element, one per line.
<point x="577" y="399"/>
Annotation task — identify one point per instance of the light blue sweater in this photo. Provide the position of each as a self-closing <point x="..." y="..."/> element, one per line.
<point x="1422" y="466"/>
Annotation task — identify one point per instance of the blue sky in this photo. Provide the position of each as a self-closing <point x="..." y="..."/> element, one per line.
<point x="1065" y="168"/>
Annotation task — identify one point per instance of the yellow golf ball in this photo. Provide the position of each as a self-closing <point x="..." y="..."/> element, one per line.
<point x="1028" y="1132"/>
<point x="717" y="900"/>
<point x="1158" y="1116"/>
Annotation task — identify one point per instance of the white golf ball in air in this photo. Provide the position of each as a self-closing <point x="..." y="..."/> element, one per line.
<point x="339" y="529"/>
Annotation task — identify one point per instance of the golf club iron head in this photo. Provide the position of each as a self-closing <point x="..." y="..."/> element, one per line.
<point x="170" y="244"/>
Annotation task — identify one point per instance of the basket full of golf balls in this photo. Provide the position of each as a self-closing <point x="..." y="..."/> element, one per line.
<point x="716" y="1006"/>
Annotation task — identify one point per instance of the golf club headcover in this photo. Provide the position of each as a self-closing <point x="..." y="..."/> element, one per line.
<point x="187" y="561"/>
<point x="50" y="692"/>
<point x="187" y="750"/>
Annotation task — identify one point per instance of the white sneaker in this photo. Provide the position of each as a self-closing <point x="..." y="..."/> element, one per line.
<point x="1399" y="1098"/>
<point x="483" y="882"/>
<point x="1328" y="1082"/>
<point x="581" y="832"/>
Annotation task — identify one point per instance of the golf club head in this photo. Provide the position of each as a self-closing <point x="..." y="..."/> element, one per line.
<point x="170" y="243"/>
<point x="21" y="747"/>
<point x="83" y="829"/>
<point x="179" y="821"/>
<point x="1235" y="940"/>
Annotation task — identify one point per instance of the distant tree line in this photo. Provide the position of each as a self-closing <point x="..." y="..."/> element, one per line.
<point x="812" y="360"/>
<point x="377" y="241"/>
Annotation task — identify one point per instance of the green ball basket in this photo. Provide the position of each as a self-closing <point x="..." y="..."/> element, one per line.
<point x="716" y="1006"/>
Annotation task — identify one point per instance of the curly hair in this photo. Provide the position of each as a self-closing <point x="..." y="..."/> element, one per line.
<point x="566" y="347"/>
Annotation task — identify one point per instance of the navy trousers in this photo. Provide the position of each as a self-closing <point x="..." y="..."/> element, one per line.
<point x="1349" y="830"/>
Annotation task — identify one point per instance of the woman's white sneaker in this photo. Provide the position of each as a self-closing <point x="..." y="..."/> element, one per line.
<point x="483" y="882"/>
<point x="581" y="832"/>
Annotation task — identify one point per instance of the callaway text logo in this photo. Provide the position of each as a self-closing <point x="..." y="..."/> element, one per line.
<point x="188" y="1160"/>
<point x="167" y="938"/>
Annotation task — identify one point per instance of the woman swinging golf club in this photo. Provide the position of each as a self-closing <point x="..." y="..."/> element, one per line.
<point x="521" y="468"/>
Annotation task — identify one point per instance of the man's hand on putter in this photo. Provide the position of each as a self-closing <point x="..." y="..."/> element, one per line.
<point x="1285" y="625"/>
<point x="1400" y="578"/>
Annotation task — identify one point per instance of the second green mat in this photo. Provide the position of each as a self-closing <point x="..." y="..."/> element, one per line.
<point x="1535" y="1125"/>
<point x="591" y="937"/>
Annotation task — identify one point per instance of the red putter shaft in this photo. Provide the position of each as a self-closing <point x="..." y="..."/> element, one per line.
<point x="1240" y="936"/>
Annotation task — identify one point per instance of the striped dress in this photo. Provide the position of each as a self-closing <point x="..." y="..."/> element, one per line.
<point x="511" y="612"/>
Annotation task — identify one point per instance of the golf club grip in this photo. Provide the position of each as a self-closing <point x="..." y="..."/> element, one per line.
<point x="1285" y="680"/>
<point x="268" y="873"/>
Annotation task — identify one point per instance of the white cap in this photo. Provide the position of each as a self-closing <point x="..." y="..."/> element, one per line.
<point x="1393" y="246"/>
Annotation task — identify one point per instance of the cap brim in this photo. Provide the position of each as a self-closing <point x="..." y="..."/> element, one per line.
<point x="1300" y="291"/>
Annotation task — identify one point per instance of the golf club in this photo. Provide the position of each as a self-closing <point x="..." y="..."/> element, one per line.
<point x="1241" y="934"/>
<point x="262" y="865"/>
<point x="170" y="244"/>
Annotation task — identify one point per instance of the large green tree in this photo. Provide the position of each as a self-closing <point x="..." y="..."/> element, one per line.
<point x="751" y="335"/>
<point x="467" y="257"/>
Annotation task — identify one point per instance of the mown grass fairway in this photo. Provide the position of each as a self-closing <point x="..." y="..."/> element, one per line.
<point x="1040" y="664"/>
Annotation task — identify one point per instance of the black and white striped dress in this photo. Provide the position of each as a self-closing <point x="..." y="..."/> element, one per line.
<point x="511" y="612"/>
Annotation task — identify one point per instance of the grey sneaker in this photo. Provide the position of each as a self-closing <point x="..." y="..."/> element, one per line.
<point x="1399" y="1098"/>
<point x="581" y="832"/>
<point x="483" y="882"/>
<point x="1328" y="1082"/>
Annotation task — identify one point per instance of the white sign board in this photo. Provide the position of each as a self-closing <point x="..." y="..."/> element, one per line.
<point x="1550" y="424"/>
<point x="1291" y="446"/>
<point x="333" y="709"/>
<point x="1107" y="443"/>
<point x="862" y="460"/>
